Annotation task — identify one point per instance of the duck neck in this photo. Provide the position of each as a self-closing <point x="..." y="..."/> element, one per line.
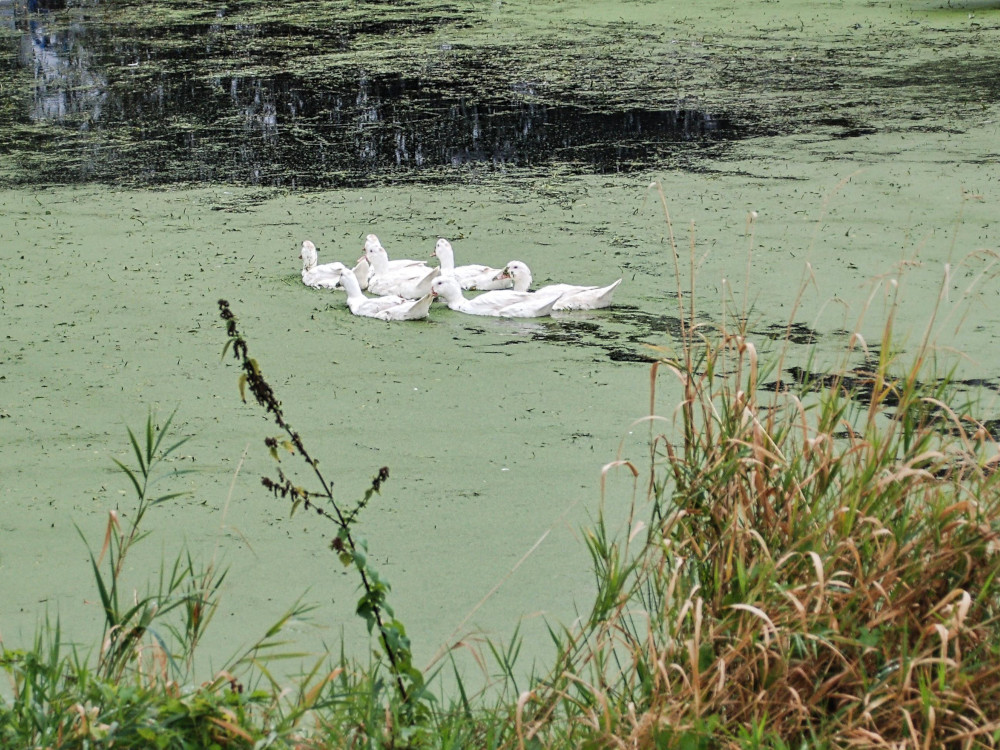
<point x="350" y="284"/>
<point x="379" y="262"/>
<point x="522" y="282"/>
<point x="452" y="295"/>
<point x="446" y="258"/>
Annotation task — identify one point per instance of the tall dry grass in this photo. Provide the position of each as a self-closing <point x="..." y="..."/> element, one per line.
<point x="814" y="565"/>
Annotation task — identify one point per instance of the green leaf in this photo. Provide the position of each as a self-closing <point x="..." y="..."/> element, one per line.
<point x="149" y="439"/>
<point x="128" y="472"/>
<point x="416" y="676"/>
<point x="106" y="603"/>
<point x="706" y="656"/>
<point x="173" y="447"/>
<point x="869" y="638"/>
<point x="367" y="612"/>
<point x="169" y="496"/>
<point x="138" y="452"/>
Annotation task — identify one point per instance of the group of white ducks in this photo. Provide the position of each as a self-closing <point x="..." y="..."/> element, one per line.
<point x="406" y="288"/>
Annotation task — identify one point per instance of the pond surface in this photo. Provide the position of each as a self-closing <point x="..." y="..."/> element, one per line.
<point x="155" y="157"/>
<point x="331" y="94"/>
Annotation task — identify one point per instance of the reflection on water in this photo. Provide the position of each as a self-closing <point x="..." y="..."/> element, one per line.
<point x="66" y="82"/>
<point x="120" y="105"/>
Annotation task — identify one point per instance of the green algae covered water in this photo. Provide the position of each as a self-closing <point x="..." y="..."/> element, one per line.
<point x="158" y="157"/>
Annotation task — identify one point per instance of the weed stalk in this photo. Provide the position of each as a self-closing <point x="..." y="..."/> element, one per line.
<point x="373" y="606"/>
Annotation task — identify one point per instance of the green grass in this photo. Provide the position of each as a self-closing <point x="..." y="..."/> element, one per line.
<point x="813" y="567"/>
<point x="810" y="565"/>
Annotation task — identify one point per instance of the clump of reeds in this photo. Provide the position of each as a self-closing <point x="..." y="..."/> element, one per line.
<point x="138" y="690"/>
<point x="817" y="566"/>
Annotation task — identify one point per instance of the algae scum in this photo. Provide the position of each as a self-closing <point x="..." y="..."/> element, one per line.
<point x="332" y="94"/>
<point x="312" y="95"/>
<point x="520" y="129"/>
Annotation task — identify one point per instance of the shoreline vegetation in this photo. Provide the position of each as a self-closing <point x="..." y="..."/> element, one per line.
<point x="813" y="565"/>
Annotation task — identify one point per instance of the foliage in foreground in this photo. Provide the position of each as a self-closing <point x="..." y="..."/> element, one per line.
<point x="813" y="574"/>
<point x="139" y="689"/>
<point x="812" y="566"/>
<point x="817" y="567"/>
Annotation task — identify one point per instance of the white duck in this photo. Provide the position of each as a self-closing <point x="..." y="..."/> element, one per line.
<point x="503" y="303"/>
<point x="322" y="276"/>
<point x="570" y="296"/>
<point x="372" y="242"/>
<point x="469" y="277"/>
<point x="411" y="282"/>
<point x="363" y="269"/>
<point x="314" y="275"/>
<point x="389" y="307"/>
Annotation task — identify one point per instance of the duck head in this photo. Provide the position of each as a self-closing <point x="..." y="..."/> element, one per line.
<point x="308" y="255"/>
<point x="443" y="247"/>
<point x="519" y="273"/>
<point x="371" y="243"/>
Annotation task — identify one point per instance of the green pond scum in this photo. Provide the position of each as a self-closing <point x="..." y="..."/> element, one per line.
<point x="815" y="158"/>
<point x="333" y="94"/>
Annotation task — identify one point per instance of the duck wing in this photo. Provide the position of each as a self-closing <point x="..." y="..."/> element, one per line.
<point x="534" y="307"/>
<point x="586" y="298"/>
<point x="409" y="309"/>
<point x="481" y="278"/>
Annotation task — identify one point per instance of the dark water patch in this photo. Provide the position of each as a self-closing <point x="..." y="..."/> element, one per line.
<point x="992" y="426"/>
<point x="626" y="355"/>
<point x="968" y="80"/>
<point x="281" y="132"/>
<point x="623" y="333"/>
<point x="846" y="127"/>
<point x="329" y="94"/>
<point x="618" y="333"/>
<point x="194" y="94"/>
<point x="797" y="333"/>
<point x="858" y="384"/>
<point x="645" y="325"/>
